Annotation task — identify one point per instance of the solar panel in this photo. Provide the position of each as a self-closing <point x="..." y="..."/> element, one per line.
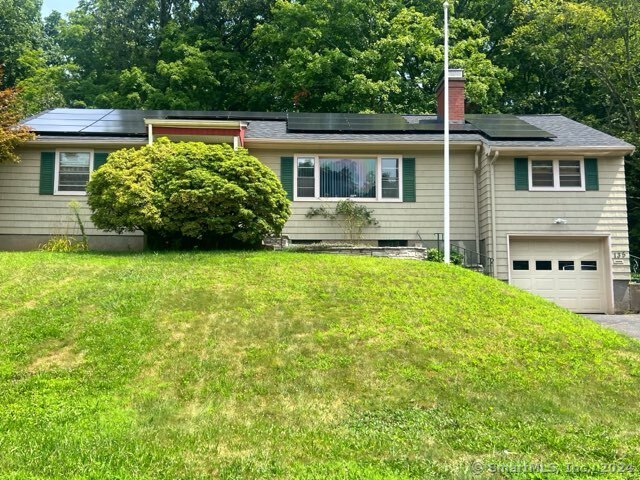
<point x="217" y="115"/>
<point x="361" y="123"/>
<point x="507" y="126"/>
<point x="131" y="122"/>
<point x="122" y="127"/>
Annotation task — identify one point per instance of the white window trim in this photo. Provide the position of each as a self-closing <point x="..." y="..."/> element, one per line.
<point x="316" y="174"/>
<point x="556" y="175"/>
<point x="57" y="169"/>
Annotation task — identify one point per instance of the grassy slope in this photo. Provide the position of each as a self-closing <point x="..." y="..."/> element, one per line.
<point x="300" y="366"/>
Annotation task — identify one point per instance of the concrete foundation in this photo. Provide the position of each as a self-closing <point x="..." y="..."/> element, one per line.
<point x="105" y="243"/>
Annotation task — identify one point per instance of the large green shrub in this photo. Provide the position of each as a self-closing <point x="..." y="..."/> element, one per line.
<point x="188" y="194"/>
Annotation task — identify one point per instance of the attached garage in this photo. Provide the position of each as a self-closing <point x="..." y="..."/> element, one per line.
<point x="570" y="271"/>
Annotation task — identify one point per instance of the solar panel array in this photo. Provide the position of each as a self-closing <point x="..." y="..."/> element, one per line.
<point x="75" y="121"/>
<point x="507" y="127"/>
<point x="108" y="122"/>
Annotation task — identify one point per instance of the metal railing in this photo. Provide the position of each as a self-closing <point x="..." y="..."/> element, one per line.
<point x="472" y="260"/>
<point x="463" y="256"/>
<point x="635" y="268"/>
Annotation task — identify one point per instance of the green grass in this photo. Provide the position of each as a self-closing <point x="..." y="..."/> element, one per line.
<point x="285" y="365"/>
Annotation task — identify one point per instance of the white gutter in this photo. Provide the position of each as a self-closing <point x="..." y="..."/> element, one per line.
<point x="85" y="141"/>
<point x="164" y="122"/>
<point x="315" y="141"/>
<point x="551" y="150"/>
<point x="476" y="172"/>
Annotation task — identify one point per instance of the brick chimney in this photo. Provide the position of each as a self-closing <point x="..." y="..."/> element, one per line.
<point x="456" y="96"/>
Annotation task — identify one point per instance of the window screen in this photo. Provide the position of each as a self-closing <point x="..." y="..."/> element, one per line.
<point x="542" y="173"/>
<point x="73" y="171"/>
<point x="306" y="177"/>
<point x="570" y="175"/>
<point x="390" y="178"/>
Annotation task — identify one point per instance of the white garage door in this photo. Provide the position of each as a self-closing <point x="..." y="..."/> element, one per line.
<point x="569" y="272"/>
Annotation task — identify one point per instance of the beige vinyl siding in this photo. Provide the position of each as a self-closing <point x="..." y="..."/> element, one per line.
<point x="23" y="211"/>
<point x="397" y="220"/>
<point x="591" y="212"/>
<point x="484" y="204"/>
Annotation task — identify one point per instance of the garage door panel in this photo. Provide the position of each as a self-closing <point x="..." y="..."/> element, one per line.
<point x="566" y="284"/>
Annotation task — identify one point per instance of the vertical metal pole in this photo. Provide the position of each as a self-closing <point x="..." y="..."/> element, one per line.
<point x="447" y="235"/>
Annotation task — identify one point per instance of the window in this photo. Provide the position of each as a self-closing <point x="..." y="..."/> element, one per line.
<point x="306" y="176"/>
<point x="521" y="264"/>
<point x="589" y="265"/>
<point x="543" y="264"/>
<point x="556" y="175"/>
<point x="393" y="243"/>
<point x="73" y="169"/>
<point x="566" y="265"/>
<point x="348" y="178"/>
<point x="336" y="177"/>
<point x="390" y="178"/>
<point x="570" y="173"/>
<point x="542" y="173"/>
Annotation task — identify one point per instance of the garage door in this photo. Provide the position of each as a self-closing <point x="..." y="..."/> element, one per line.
<point x="569" y="272"/>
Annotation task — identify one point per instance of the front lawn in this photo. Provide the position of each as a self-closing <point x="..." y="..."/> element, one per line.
<point x="259" y="365"/>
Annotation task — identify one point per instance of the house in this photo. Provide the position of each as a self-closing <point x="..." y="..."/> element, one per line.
<point x="541" y="197"/>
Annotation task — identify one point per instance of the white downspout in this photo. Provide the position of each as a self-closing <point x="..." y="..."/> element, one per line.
<point x="150" y="130"/>
<point x="475" y="197"/>
<point x="494" y="236"/>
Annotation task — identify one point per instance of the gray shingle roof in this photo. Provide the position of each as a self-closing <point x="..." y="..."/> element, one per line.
<point x="568" y="133"/>
<point x="91" y="124"/>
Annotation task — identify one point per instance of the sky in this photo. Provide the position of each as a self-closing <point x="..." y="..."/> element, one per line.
<point x="63" y="6"/>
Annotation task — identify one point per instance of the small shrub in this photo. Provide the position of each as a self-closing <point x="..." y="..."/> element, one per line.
<point x="69" y="243"/>
<point x="352" y="217"/>
<point x="64" y="244"/>
<point x="436" y="255"/>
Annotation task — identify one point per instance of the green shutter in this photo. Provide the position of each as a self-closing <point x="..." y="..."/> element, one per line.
<point x="521" y="169"/>
<point x="408" y="179"/>
<point x="286" y="175"/>
<point x="99" y="159"/>
<point x="591" y="174"/>
<point x="47" y="172"/>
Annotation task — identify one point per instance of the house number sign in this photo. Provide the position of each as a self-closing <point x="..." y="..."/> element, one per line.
<point x="620" y="257"/>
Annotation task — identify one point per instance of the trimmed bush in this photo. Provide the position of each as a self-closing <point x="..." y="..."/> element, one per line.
<point x="184" y="195"/>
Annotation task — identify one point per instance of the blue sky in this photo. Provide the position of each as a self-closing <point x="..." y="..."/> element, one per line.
<point x="63" y="6"/>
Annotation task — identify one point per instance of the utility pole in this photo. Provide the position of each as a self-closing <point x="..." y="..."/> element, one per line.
<point x="447" y="220"/>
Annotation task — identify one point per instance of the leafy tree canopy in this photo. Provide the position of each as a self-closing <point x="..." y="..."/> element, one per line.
<point x="11" y="134"/>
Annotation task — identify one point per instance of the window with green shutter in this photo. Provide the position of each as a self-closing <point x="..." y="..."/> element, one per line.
<point x="379" y="178"/>
<point x="570" y="175"/>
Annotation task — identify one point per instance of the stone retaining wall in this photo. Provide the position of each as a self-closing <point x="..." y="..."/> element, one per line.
<point x="410" y="253"/>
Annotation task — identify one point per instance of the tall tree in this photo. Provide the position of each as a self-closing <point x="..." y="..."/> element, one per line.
<point x="362" y="55"/>
<point x="12" y="135"/>
<point x="20" y="31"/>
